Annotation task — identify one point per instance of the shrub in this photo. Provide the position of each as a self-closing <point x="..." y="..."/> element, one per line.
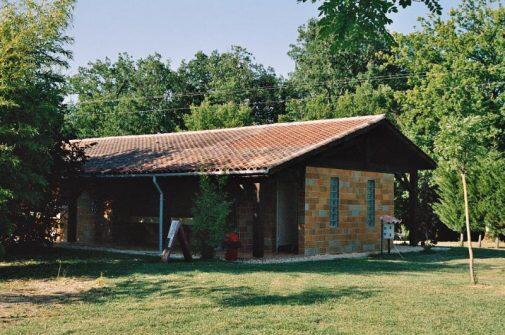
<point x="209" y="215"/>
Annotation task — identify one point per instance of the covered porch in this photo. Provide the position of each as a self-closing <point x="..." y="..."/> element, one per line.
<point x="135" y="213"/>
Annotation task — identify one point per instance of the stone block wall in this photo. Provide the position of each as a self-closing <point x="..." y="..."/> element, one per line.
<point x="86" y="218"/>
<point x="352" y="234"/>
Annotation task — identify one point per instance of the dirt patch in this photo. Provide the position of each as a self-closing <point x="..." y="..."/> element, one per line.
<point x="20" y="299"/>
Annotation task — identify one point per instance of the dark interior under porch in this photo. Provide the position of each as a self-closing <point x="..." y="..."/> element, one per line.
<point x="124" y="212"/>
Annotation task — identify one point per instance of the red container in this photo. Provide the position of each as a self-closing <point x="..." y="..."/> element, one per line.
<point x="231" y="254"/>
<point x="231" y="245"/>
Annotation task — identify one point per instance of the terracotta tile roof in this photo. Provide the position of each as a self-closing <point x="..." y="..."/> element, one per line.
<point x="246" y="150"/>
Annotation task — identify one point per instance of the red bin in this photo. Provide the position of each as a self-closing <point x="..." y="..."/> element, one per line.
<point x="231" y="245"/>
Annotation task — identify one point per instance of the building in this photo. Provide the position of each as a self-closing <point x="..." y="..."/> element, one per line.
<point x="310" y="188"/>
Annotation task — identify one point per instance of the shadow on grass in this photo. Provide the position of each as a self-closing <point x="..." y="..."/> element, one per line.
<point x="222" y="295"/>
<point x="307" y="297"/>
<point x="93" y="264"/>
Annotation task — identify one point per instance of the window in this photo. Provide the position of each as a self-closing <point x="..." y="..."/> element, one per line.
<point x="370" y="203"/>
<point x="334" y="201"/>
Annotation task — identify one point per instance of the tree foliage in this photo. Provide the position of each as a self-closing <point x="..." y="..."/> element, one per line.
<point x="491" y="190"/>
<point x="209" y="116"/>
<point x="364" y="100"/>
<point x="32" y="53"/>
<point x="125" y="97"/>
<point x="147" y="96"/>
<point x="452" y="101"/>
<point x="353" y="24"/>
<point x="210" y="212"/>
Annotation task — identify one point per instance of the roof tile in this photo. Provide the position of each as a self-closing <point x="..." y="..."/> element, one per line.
<point x="253" y="149"/>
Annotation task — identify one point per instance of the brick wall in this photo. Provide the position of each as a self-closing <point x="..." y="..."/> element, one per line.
<point x="352" y="233"/>
<point x="245" y="209"/>
<point x="244" y="220"/>
<point x="268" y="212"/>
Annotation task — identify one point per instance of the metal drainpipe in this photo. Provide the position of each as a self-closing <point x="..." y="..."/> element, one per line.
<point x="160" y="217"/>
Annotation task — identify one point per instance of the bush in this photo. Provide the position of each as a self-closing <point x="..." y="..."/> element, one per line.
<point x="209" y="215"/>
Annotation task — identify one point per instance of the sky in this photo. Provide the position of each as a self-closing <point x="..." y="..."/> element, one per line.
<point x="177" y="29"/>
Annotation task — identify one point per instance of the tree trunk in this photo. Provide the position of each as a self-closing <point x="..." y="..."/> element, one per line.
<point x="468" y="232"/>
<point x="461" y="239"/>
<point x="480" y="241"/>
<point x="497" y="242"/>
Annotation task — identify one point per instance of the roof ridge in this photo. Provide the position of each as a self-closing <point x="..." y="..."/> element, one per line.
<point x="375" y="117"/>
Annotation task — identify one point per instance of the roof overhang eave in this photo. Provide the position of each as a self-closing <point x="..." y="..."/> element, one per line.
<point x="255" y="172"/>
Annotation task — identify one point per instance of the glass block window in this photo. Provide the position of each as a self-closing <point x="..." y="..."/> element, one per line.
<point x="334" y="201"/>
<point x="370" y="203"/>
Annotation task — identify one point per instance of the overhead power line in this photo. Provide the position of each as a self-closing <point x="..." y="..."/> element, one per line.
<point x="248" y="90"/>
<point x="267" y="102"/>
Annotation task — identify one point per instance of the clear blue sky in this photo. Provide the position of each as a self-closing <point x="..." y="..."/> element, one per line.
<point x="178" y="28"/>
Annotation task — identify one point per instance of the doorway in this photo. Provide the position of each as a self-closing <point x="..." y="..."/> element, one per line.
<point x="287" y="223"/>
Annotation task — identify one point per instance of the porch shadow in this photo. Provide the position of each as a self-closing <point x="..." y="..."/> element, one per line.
<point x="92" y="264"/>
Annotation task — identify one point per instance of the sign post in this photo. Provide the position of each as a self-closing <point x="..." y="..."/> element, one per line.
<point x="176" y="230"/>
<point x="388" y="230"/>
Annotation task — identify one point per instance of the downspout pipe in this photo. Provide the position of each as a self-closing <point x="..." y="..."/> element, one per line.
<point x="160" y="217"/>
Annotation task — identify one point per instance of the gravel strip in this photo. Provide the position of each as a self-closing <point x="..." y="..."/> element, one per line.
<point x="300" y="258"/>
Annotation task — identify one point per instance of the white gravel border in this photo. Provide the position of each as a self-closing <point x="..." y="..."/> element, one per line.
<point x="273" y="259"/>
<point x="279" y="259"/>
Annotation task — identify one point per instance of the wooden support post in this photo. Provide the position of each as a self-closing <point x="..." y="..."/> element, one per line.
<point x="160" y="217"/>
<point x="258" y="234"/>
<point x="412" y="223"/>
<point x="382" y="236"/>
<point x="72" y="220"/>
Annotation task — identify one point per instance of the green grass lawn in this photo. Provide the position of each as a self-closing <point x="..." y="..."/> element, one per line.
<point x="110" y="294"/>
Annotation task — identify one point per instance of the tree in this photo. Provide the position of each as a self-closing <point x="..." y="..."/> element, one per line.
<point x="235" y="77"/>
<point x="451" y="69"/>
<point x="449" y="208"/>
<point x="326" y="72"/>
<point x="207" y="116"/>
<point x="450" y="191"/>
<point x="126" y="97"/>
<point x="146" y="96"/>
<point x="491" y="186"/>
<point x="32" y="53"/>
<point x="454" y="70"/>
<point x="365" y="100"/>
<point x="353" y="24"/>
<point x="460" y="144"/>
<point x="210" y="212"/>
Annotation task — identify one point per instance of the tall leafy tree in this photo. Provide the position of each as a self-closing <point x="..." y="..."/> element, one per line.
<point x="454" y="68"/>
<point x="33" y="50"/>
<point x="208" y="116"/>
<point x="460" y="144"/>
<point x="364" y="100"/>
<point x="354" y="23"/>
<point x="329" y="83"/>
<point x="235" y="77"/>
<point x="491" y="188"/>
<point x="125" y="97"/>
<point x="146" y="96"/>
<point x="329" y="73"/>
